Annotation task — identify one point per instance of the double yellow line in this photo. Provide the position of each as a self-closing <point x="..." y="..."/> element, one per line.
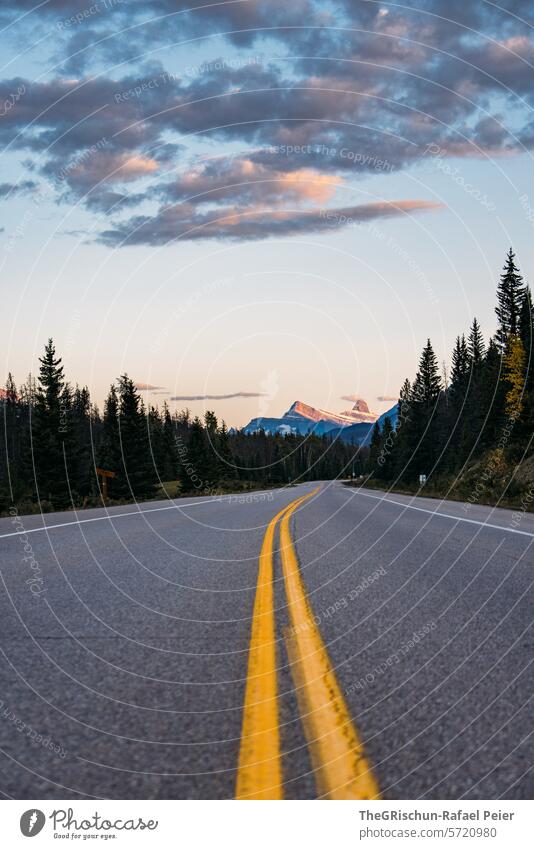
<point x="340" y="768"/>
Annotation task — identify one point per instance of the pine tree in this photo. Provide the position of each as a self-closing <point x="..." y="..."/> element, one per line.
<point x="383" y="471"/>
<point x="227" y="468"/>
<point x="492" y="397"/>
<point x="510" y="293"/>
<point x="526" y="333"/>
<point x="109" y="451"/>
<point x="169" y="441"/>
<point x="10" y="482"/>
<point x="427" y="384"/>
<point x="425" y="427"/>
<point x="50" y="430"/>
<point x="472" y="418"/>
<point x="81" y="465"/>
<point x="157" y="443"/>
<point x="475" y="344"/>
<point x="195" y="472"/>
<point x="375" y="448"/>
<point x="459" y="374"/>
<point x="404" y="430"/>
<point x="137" y="467"/>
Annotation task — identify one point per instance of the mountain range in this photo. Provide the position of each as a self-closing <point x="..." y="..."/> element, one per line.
<point x="353" y="426"/>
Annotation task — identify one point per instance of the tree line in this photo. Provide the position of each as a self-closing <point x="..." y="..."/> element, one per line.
<point x="56" y="440"/>
<point x="484" y="409"/>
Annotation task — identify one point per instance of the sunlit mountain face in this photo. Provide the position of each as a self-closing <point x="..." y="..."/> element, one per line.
<point x="351" y="425"/>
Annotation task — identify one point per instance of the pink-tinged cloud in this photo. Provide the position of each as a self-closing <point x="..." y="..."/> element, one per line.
<point x="147" y="387"/>
<point x="185" y="222"/>
<point x="217" y="397"/>
<point x="393" y="398"/>
<point x="246" y="182"/>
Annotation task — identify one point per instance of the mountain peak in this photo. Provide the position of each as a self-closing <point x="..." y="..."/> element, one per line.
<point x="359" y="413"/>
<point x="361" y="406"/>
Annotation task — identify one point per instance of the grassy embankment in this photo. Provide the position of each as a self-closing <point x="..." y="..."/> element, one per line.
<point x="493" y="481"/>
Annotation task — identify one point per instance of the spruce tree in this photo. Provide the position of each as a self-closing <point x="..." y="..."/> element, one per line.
<point x="404" y="432"/>
<point x="195" y="472"/>
<point x="473" y="410"/>
<point x="460" y="371"/>
<point x="375" y="448"/>
<point x="386" y="447"/>
<point x="526" y="333"/>
<point x="109" y="452"/>
<point x="510" y="293"/>
<point x="475" y="344"/>
<point x="50" y="430"/>
<point x="81" y="465"/>
<point x="492" y="396"/>
<point x="136" y="462"/>
<point x="227" y="469"/>
<point x="424" y="433"/>
<point x="169" y="441"/>
<point x="427" y="384"/>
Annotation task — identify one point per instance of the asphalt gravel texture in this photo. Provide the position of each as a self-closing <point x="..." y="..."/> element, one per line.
<point x="124" y="637"/>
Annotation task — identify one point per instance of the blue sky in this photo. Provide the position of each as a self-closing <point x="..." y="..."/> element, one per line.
<point x="267" y="200"/>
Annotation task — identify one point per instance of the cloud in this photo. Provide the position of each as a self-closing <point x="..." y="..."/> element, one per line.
<point x="23" y="187"/>
<point x="243" y="180"/>
<point x="217" y="397"/>
<point x="393" y="398"/>
<point x="147" y="387"/>
<point x="367" y="93"/>
<point x="185" y="223"/>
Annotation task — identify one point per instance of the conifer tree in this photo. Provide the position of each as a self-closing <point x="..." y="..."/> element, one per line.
<point x="492" y="396"/>
<point x="427" y="384"/>
<point x="195" y="465"/>
<point x="50" y="429"/>
<point x="510" y="292"/>
<point x="227" y="468"/>
<point x="109" y="451"/>
<point x="425" y="427"/>
<point x="526" y="333"/>
<point x="475" y="344"/>
<point x="473" y="410"/>
<point x="136" y="461"/>
<point x="386" y="447"/>
<point x="169" y="441"/>
<point x="81" y="464"/>
<point x="459" y="374"/>
<point x="375" y="447"/>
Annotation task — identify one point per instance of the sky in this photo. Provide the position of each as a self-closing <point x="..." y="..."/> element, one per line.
<point x="244" y="203"/>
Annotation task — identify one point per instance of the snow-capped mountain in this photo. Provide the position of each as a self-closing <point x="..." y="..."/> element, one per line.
<point x="350" y="425"/>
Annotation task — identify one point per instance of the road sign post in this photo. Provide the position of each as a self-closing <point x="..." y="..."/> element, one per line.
<point x="103" y="475"/>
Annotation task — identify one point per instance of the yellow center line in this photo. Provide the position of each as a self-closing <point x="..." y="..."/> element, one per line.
<point x="340" y="766"/>
<point x="259" y="774"/>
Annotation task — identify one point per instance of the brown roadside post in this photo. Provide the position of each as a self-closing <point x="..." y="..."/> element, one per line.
<point x="103" y="475"/>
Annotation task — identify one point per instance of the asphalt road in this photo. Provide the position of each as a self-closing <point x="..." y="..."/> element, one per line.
<point x="125" y="639"/>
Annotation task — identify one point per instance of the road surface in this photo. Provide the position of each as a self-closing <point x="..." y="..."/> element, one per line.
<point x="134" y="644"/>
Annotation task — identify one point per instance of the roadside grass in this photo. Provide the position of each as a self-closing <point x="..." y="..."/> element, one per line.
<point x="165" y="490"/>
<point x="491" y="482"/>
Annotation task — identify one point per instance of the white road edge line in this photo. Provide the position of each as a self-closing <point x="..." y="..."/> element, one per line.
<point x="112" y="516"/>
<point x="444" y="515"/>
